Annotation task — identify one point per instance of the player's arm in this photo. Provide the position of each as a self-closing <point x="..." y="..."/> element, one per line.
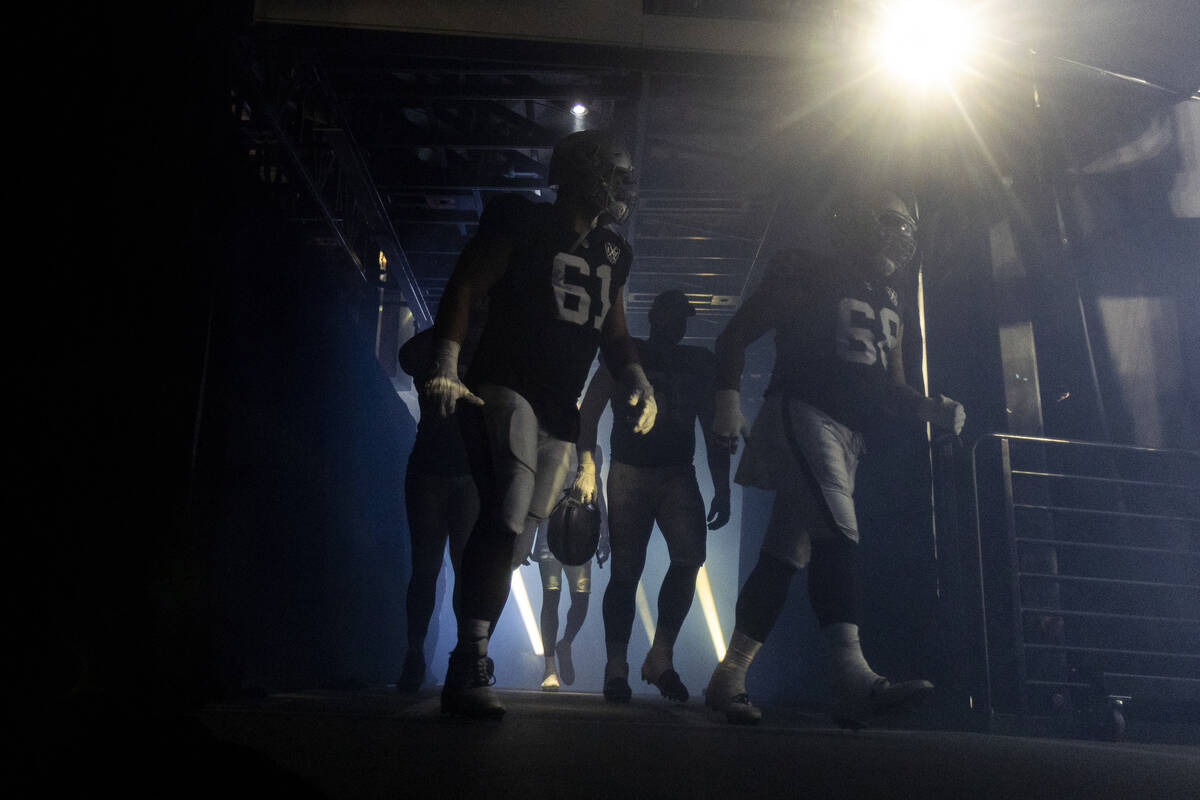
<point x="717" y="453"/>
<point x="596" y="397"/>
<point x="604" y="546"/>
<point x="756" y="316"/>
<point x="480" y="265"/>
<point x="620" y="354"/>
<point x="907" y="401"/>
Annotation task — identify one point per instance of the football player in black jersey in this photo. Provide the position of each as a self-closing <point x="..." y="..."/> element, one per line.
<point x="839" y="329"/>
<point x="652" y="479"/>
<point x="439" y="497"/>
<point x="554" y="276"/>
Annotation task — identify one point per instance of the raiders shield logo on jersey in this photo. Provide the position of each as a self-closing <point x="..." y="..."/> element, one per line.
<point x="612" y="252"/>
<point x="893" y="296"/>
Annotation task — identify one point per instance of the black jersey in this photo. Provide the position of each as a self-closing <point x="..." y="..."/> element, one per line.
<point x="545" y="314"/>
<point x="682" y="377"/>
<point x="832" y="347"/>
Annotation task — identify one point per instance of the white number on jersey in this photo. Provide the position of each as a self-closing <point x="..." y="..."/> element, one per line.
<point x="857" y="343"/>
<point x="573" y="298"/>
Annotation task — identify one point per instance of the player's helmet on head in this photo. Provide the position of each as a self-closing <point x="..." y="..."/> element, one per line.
<point x="874" y="229"/>
<point x="594" y="167"/>
<point x="574" y="531"/>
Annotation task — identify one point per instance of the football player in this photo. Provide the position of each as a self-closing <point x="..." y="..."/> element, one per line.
<point x="554" y="275"/>
<point x="839" y="330"/>
<point x="579" y="585"/>
<point x="439" y="497"/>
<point x="652" y="479"/>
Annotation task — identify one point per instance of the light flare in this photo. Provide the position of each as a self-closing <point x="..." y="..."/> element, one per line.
<point x="924" y="41"/>
<point x="643" y="607"/>
<point x="522" y="598"/>
<point x="704" y="592"/>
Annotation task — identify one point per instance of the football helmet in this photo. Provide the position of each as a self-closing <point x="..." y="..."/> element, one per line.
<point x="874" y="229"/>
<point x="573" y="531"/>
<point x="594" y="167"/>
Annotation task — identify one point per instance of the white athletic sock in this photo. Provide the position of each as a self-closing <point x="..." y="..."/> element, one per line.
<point x="847" y="664"/>
<point x="659" y="659"/>
<point x="742" y="650"/>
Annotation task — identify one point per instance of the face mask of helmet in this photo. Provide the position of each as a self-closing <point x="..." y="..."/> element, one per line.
<point x="895" y="241"/>
<point x="597" y="172"/>
<point x="882" y="241"/>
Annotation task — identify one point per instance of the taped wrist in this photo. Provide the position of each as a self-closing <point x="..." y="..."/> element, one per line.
<point x="587" y="464"/>
<point x="633" y="375"/>
<point x="445" y="359"/>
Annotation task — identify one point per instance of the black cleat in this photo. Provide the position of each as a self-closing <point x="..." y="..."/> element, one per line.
<point x="884" y="697"/>
<point x="726" y="694"/>
<point x="616" y="690"/>
<point x="468" y="688"/>
<point x="669" y="684"/>
<point x="738" y="709"/>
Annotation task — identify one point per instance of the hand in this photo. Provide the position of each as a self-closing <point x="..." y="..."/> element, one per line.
<point x="728" y="421"/>
<point x="641" y="396"/>
<point x="522" y="549"/>
<point x="603" y="550"/>
<point x="443" y="393"/>
<point x="944" y="413"/>
<point x="718" y="512"/>
<point x="443" y="390"/>
<point x="584" y="487"/>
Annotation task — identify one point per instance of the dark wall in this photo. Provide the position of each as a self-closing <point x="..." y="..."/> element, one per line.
<point x="213" y="486"/>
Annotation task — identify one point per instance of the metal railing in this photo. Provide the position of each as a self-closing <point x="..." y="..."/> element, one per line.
<point x="1089" y="568"/>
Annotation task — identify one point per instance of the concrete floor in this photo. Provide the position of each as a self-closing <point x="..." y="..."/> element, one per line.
<point x="375" y="744"/>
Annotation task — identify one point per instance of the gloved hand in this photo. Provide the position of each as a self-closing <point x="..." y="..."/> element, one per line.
<point x="443" y="389"/>
<point x="728" y="421"/>
<point x="584" y="488"/>
<point x="641" y="396"/>
<point x="718" y="512"/>
<point x="944" y="413"/>
<point x="603" y="549"/>
<point x="523" y="549"/>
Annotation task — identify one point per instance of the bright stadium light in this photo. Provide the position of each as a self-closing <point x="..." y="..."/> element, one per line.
<point x="522" y="598"/>
<point x="704" y="592"/>
<point x="924" y="41"/>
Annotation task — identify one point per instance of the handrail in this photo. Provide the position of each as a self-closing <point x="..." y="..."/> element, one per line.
<point x="1098" y="479"/>
<point x="1084" y="443"/>
<point x="1016" y="574"/>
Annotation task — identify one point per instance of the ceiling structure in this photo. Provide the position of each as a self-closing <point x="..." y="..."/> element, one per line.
<point x="389" y="131"/>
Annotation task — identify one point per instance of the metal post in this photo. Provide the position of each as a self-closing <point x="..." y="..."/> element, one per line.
<point x="1015" y="584"/>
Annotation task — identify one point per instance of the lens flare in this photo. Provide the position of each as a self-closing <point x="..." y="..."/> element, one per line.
<point x="522" y="598"/>
<point x="924" y="41"/>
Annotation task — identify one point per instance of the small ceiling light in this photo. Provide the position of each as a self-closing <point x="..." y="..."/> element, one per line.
<point x="579" y="110"/>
